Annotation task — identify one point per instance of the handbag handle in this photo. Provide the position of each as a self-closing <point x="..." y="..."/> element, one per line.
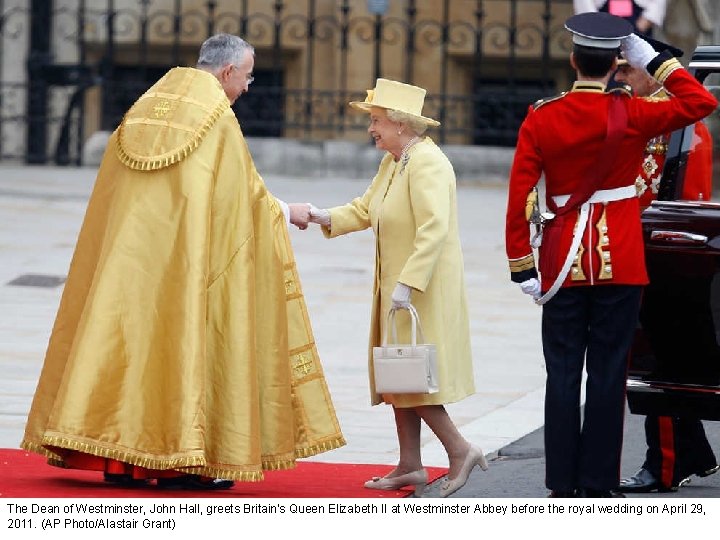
<point x="415" y="325"/>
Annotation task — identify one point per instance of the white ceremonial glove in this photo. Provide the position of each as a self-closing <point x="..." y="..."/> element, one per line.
<point x="531" y="287"/>
<point x="637" y="51"/>
<point x="319" y="216"/>
<point x="401" y="296"/>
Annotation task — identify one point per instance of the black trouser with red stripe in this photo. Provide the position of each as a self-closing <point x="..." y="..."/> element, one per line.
<point x="589" y="326"/>
<point x="677" y="448"/>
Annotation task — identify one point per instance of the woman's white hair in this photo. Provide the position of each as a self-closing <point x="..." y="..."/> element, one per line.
<point x="417" y="125"/>
<point x="222" y="49"/>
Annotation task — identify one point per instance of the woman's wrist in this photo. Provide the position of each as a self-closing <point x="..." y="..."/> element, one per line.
<point x="320" y="216"/>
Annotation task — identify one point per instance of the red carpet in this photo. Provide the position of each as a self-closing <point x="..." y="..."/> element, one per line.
<point x="23" y="474"/>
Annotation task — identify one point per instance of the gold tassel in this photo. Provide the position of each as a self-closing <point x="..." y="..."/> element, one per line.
<point x="153" y="164"/>
<point x="319" y="448"/>
<point x="188" y="464"/>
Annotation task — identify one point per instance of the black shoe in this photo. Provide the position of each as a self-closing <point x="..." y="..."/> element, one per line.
<point x="599" y="494"/>
<point x="643" y="482"/>
<point x="702" y="474"/>
<point x="193" y="481"/>
<point x="708" y="472"/>
<point x="125" y="480"/>
<point x="562" y="494"/>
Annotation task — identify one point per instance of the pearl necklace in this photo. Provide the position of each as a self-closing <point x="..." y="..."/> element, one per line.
<point x="404" y="156"/>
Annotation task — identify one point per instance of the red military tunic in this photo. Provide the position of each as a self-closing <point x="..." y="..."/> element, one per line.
<point x="697" y="185"/>
<point x="648" y="179"/>
<point x="561" y="139"/>
<point x="698" y="172"/>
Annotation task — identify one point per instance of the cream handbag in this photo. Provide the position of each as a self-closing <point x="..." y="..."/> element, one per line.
<point x="405" y="369"/>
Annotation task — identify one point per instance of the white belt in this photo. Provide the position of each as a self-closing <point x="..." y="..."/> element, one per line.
<point x="600" y="196"/>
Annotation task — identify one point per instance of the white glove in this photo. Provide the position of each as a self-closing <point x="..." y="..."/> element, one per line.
<point x="531" y="287"/>
<point x="319" y="216"/>
<point x="401" y="296"/>
<point x="637" y="51"/>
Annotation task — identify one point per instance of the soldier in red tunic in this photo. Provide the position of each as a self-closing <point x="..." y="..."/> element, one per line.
<point x="698" y="173"/>
<point x="677" y="446"/>
<point x="587" y="143"/>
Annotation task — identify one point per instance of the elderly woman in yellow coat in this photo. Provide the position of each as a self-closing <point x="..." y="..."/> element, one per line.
<point x="411" y="206"/>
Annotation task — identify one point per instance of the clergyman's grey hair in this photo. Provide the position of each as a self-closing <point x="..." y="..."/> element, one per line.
<point x="222" y="49"/>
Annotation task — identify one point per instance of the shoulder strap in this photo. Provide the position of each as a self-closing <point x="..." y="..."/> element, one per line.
<point x="616" y="125"/>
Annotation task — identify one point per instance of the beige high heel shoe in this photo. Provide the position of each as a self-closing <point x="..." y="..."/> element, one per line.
<point x="474" y="457"/>
<point x="417" y="478"/>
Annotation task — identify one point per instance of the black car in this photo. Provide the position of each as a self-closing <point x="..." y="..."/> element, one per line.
<point x="675" y="360"/>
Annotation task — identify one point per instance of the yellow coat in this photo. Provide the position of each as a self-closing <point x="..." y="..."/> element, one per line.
<point x="182" y="340"/>
<point x="413" y="213"/>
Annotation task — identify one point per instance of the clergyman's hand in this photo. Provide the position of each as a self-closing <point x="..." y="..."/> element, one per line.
<point x="299" y="215"/>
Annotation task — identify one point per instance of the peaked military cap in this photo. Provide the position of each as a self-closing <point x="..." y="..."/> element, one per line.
<point x="598" y="29"/>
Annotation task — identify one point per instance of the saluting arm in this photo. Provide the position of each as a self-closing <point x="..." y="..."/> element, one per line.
<point x="656" y="117"/>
